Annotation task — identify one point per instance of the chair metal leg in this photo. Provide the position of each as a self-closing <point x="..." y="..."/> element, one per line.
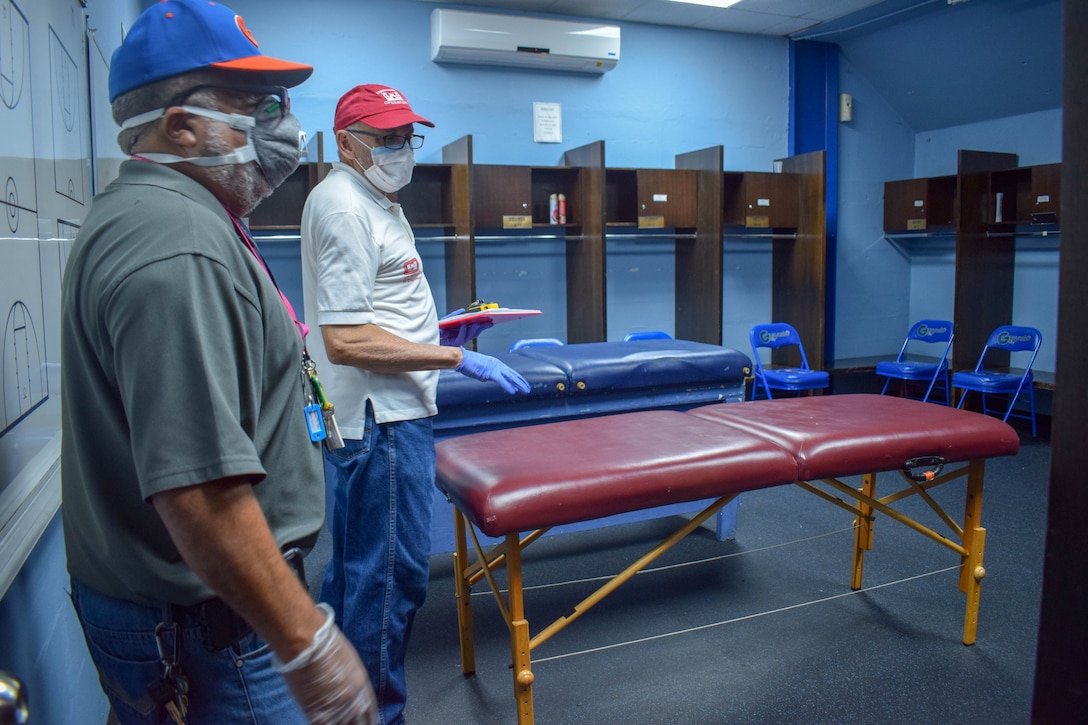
<point x="1031" y="395"/>
<point x="925" y="398"/>
<point x="933" y="383"/>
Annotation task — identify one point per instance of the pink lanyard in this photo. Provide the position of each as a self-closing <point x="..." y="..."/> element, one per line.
<point x="320" y="416"/>
<point x="302" y="328"/>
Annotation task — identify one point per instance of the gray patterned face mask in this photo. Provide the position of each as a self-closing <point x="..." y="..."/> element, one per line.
<point x="273" y="139"/>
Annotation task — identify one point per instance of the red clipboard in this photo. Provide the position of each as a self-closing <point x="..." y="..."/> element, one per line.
<point x="495" y="315"/>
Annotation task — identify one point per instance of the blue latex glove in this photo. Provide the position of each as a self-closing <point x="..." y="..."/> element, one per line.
<point x="458" y="336"/>
<point x="485" y="367"/>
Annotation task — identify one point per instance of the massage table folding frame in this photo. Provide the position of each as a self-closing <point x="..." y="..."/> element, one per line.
<point x="507" y="482"/>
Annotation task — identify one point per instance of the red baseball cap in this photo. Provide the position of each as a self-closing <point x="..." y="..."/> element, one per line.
<point x="377" y="106"/>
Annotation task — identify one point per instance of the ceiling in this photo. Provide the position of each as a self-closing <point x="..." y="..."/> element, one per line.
<point x="759" y="17"/>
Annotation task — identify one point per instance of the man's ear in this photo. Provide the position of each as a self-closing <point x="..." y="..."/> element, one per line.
<point x="179" y="127"/>
<point x="349" y="151"/>
<point x="343" y="143"/>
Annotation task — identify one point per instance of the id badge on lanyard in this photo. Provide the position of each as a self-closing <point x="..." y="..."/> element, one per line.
<point x="320" y="413"/>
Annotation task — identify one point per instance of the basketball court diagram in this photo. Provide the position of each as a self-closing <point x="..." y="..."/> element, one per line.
<point x="34" y="238"/>
<point x="68" y="153"/>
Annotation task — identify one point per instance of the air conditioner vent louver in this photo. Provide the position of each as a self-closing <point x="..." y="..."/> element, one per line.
<point x="509" y="40"/>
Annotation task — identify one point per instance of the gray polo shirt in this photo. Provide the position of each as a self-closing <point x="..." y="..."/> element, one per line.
<point x="179" y="365"/>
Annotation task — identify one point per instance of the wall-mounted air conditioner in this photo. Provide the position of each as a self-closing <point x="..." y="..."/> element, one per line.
<point x="489" y="39"/>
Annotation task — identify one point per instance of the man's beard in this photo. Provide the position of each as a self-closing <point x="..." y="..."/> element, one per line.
<point x="241" y="186"/>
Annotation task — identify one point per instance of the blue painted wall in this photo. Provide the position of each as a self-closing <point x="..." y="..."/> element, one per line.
<point x="873" y="290"/>
<point x="814" y="119"/>
<point x="674" y="90"/>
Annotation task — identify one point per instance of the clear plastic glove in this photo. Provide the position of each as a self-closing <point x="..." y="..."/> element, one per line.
<point x="329" y="681"/>
<point x="458" y="336"/>
<point x="485" y="367"/>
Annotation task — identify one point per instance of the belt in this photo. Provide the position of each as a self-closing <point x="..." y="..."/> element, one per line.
<point x="221" y="625"/>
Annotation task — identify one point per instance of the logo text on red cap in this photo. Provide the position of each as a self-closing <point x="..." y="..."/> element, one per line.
<point x="392" y="96"/>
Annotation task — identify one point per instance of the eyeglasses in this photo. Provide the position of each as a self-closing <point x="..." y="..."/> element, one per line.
<point x="392" y="141"/>
<point x="250" y="96"/>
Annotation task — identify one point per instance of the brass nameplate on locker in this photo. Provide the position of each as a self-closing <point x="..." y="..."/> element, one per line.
<point x="914" y="225"/>
<point x="757" y="222"/>
<point x="651" y="222"/>
<point x="517" y="222"/>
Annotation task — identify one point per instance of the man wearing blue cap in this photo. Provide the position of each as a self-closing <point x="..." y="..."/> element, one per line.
<point x="191" y="485"/>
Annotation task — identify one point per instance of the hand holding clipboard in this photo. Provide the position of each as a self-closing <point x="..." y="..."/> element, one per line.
<point x="465" y="324"/>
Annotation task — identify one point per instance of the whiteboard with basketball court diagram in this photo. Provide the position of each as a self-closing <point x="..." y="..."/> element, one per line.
<point x="45" y="150"/>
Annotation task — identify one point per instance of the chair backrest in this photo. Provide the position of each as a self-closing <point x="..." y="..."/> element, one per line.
<point x="929" y="331"/>
<point x="775" y="335"/>
<point x="535" y="342"/>
<point x="647" y="335"/>
<point x="1014" y="338"/>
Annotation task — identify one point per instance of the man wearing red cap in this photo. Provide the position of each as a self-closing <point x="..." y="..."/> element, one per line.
<point x="379" y="354"/>
<point x="191" y="485"/>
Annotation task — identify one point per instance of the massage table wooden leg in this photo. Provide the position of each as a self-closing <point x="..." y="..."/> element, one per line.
<point x="464" y="593"/>
<point x="519" y="633"/>
<point x="972" y="571"/>
<point x="863" y="530"/>
<point x="977" y="543"/>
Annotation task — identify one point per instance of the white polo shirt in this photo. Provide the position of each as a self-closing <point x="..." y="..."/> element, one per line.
<point x="360" y="266"/>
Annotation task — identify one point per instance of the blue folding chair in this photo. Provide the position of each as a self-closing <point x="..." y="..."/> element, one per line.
<point x="777" y="335"/>
<point x="909" y="370"/>
<point x="535" y="342"/>
<point x="647" y="335"/>
<point x="1006" y="382"/>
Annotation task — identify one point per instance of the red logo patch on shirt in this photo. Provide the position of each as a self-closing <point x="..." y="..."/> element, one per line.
<point x="411" y="269"/>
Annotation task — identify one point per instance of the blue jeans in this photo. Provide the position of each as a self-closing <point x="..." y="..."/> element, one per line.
<point x="381" y="542"/>
<point x="235" y="685"/>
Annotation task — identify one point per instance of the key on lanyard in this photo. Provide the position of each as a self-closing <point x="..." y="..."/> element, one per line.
<point x="170" y="692"/>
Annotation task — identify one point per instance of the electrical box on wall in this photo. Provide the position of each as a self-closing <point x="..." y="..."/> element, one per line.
<point x="510" y="40"/>
<point x="846" y="107"/>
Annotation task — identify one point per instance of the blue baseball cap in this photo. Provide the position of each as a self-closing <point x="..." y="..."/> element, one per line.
<point x="177" y="36"/>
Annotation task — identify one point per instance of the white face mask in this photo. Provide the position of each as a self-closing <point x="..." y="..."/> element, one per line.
<point x="391" y="170"/>
<point x="273" y="140"/>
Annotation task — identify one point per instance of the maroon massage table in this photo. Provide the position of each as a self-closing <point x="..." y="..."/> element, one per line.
<point x="508" y="482"/>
